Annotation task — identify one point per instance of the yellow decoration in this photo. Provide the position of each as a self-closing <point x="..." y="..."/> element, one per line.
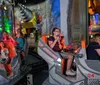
<point x="23" y="31"/>
<point x="31" y="23"/>
<point x="91" y="6"/>
<point x="89" y="3"/>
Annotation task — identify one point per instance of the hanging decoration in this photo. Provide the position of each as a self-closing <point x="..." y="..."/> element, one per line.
<point x="92" y="7"/>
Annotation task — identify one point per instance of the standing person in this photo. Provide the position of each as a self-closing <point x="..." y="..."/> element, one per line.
<point x="11" y="48"/>
<point x="20" y="47"/>
<point x="93" y="49"/>
<point x="4" y="54"/>
<point x="56" y="44"/>
<point x="18" y="32"/>
<point x="10" y="43"/>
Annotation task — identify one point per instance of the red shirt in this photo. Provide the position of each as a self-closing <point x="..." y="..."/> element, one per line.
<point x="9" y="40"/>
<point x="11" y="48"/>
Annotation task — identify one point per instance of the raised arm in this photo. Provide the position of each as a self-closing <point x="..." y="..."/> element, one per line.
<point x="51" y="43"/>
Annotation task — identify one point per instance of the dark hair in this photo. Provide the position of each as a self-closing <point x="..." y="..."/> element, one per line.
<point x="20" y="32"/>
<point x="55" y="29"/>
<point x="97" y="35"/>
<point x="3" y="43"/>
<point x="5" y="32"/>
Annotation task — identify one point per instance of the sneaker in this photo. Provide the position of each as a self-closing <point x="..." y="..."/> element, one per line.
<point x="70" y="73"/>
<point x="73" y="71"/>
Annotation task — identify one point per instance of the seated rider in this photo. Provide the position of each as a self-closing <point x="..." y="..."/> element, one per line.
<point x="93" y="49"/>
<point x="55" y="43"/>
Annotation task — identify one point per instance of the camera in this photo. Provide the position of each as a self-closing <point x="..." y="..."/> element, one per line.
<point x="57" y="35"/>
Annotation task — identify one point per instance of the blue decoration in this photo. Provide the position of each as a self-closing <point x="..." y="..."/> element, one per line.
<point x="96" y="18"/>
<point x="56" y="12"/>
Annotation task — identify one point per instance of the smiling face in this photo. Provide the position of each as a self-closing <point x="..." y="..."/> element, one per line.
<point x="4" y="34"/>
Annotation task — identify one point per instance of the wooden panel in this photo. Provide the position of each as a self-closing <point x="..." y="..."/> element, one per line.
<point x="97" y="6"/>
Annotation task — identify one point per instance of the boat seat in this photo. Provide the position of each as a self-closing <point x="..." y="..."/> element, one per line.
<point x="51" y="54"/>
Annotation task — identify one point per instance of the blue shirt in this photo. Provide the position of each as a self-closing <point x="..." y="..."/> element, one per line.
<point x="91" y="51"/>
<point x="20" y="43"/>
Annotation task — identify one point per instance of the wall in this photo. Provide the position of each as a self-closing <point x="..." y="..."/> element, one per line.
<point x="63" y="12"/>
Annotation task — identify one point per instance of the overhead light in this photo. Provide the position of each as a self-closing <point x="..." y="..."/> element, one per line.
<point x="5" y="7"/>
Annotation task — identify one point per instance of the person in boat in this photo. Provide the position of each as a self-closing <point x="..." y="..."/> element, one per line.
<point x="55" y="42"/>
<point x="93" y="49"/>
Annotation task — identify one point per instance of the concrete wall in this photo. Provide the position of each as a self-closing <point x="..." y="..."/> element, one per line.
<point x="63" y="12"/>
<point x="73" y="19"/>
